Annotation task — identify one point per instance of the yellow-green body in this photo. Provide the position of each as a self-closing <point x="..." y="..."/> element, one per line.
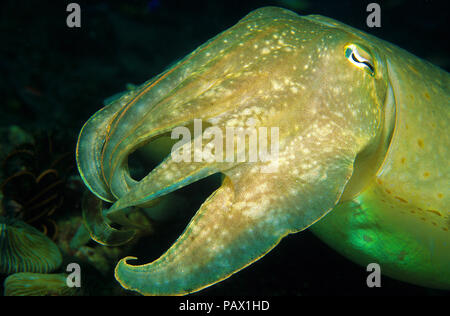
<point x="401" y="219"/>
<point x="363" y="148"/>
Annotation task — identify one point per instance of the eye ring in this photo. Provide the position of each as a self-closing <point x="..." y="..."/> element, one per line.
<point x="353" y="54"/>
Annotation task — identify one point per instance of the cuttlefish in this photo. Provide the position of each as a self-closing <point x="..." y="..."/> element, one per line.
<point x="362" y="153"/>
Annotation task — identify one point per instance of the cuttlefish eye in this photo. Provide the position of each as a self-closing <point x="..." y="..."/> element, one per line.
<point x="360" y="58"/>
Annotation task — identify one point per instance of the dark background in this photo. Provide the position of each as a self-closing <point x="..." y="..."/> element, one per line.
<point x="55" y="78"/>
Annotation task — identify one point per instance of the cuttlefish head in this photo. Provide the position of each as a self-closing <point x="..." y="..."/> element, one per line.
<point x="310" y="95"/>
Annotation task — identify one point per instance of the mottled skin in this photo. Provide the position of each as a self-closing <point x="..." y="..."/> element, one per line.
<point x="366" y="140"/>
<point x="402" y="218"/>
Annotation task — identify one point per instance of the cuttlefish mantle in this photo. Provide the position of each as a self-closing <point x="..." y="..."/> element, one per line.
<point x="362" y="135"/>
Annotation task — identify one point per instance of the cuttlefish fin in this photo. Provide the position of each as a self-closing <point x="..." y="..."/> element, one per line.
<point x="244" y="219"/>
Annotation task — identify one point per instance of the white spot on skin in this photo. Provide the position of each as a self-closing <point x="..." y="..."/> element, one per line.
<point x="276" y="85"/>
<point x="265" y="51"/>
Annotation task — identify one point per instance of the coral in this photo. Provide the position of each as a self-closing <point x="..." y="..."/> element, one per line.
<point x="36" y="180"/>
<point x="24" y="249"/>
<point x="38" y="284"/>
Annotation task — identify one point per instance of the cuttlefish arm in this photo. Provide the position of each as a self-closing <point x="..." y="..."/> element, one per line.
<point x="91" y="142"/>
<point x="97" y="225"/>
<point x="276" y="70"/>
<point x="246" y="217"/>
